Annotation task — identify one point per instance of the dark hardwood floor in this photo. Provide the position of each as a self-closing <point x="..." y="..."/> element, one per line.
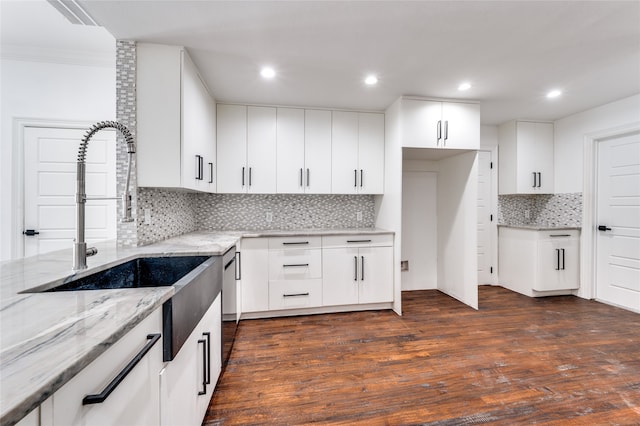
<point x="517" y="360"/>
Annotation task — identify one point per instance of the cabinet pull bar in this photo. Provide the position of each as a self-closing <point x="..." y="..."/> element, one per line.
<point x="243" y="176"/>
<point x="535" y="180"/>
<point x="210" y="172"/>
<point x="361" y="178"/>
<point x="559" y="235"/>
<point x="239" y="266"/>
<point x="250" y="175"/>
<point x="295" y="243"/>
<point x="361" y="268"/>
<point x="208" y="336"/>
<point x="355" y="268"/>
<point x="102" y="396"/>
<point x="557" y="259"/>
<point x="295" y="265"/>
<point x="358" y="241"/>
<point x="355" y="178"/>
<point x="446" y="131"/>
<point x="308" y="177"/>
<point x="439" y="131"/>
<point x="197" y="167"/>
<point x="204" y="367"/>
<point x="301" y="178"/>
<point x="201" y="167"/>
<point x="539" y="180"/>
<point x="295" y="295"/>
<point x="562" y="259"/>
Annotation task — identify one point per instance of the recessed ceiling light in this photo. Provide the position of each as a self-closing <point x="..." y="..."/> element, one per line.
<point x="464" y="86"/>
<point x="554" y="94"/>
<point x="267" y="72"/>
<point x="371" y="80"/>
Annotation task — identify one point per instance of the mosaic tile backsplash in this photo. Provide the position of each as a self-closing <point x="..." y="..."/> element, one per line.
<point x="175" y="212"/>
<point x="544" y="210"/>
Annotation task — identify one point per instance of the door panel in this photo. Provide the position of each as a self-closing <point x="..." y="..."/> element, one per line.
<point x="618" y="249"/>
<point x="50" y="186"/>
<point x="485" y="228"/>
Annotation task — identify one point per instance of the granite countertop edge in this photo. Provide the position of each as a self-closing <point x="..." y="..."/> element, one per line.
<point x="47" y="270"/>
<point x="541" y="227"/>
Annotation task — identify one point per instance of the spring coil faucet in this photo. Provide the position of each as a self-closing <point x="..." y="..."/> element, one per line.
<point x="80" y="251"/>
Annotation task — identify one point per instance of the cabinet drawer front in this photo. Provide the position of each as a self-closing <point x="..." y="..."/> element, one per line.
<point x="559" y="235"/>
<point x="285" y="243"/>
<point x="295" y="294"/>
<point x="295" y="264"/>
<point x="357" y="240"/>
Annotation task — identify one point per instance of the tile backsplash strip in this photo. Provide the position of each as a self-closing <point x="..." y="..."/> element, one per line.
<point x="127" y="232"/>
<point x="228" y="212"/>
<point x="544" y="210"/>
<point x="172" y="213"/>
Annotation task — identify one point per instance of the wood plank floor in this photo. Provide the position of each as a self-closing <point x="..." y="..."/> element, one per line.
<point x="518" y="360"/>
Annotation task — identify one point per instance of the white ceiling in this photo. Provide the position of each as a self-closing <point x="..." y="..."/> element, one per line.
<point x="512" y="52"/>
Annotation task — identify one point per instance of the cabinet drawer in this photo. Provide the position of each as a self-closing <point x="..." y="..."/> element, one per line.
<point x="295" y="294"/>
<point x="559" y="235"/>
<point x="357" y="240"/>
<point x="295" y="264"/>
<point x="280" y="243"/>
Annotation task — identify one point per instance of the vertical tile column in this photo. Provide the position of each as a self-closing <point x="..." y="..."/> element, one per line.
<point x="127" y="234"/>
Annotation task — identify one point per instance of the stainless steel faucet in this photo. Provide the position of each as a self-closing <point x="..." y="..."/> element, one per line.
<point x="80" y="251"/>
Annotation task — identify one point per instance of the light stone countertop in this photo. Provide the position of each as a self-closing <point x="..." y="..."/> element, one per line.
<point x="47" y="338"/>
<point x="541" y="227"/>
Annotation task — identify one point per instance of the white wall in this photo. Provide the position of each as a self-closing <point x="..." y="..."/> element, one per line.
<point x="41" y="91"/>
<point x="570" y="133"/>
<point x="488" y="137"/>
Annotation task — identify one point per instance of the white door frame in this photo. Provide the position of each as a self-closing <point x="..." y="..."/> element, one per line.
<point x="589" y="210"/>
<point x="494" y="209"/>
<point x="17" y="158"/>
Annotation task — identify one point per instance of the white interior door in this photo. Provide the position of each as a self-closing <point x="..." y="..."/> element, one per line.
<point x="419" y="230"/>
<point x="618" y="220"/>
<point x="50" y="156"/>
<point x="486" y="231"/>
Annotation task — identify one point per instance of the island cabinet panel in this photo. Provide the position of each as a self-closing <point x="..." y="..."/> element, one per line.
<point x="135" y="400"/>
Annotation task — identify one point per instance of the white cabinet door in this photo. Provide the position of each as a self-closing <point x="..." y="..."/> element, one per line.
<point x="558" y="266"/>
<point x="254" y="272"/>
<point x="209" y="337"/>
<point x="261" y="150"/>
<point x="544" y="157"/>
<point x="340" y="276"/>
<point x="232" y="148"/>
<point x="526" y="158"/>
<point x="420" y="123"/>
<point x="461" y="127"/>
<point x="135" y="401"/>
<point x="376" y="275"/>
<point x="291" y="151"/>
<point x="371" y="153"/>
<point x="344" y="152"/>
<point x="317" y="151"/>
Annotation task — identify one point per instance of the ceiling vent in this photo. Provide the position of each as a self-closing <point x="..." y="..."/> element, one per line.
<point x="71" y="10"/>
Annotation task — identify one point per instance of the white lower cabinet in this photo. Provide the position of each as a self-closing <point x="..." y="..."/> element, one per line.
<point x="533" y="261"/>
<point x="254" y="275"/>
<point x="134" y="400"/>
<point x="357" y="275"/>
<point x="188" y="381"/>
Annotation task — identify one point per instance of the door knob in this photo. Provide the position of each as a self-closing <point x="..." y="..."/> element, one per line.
<point x="30" y="232"/>
<point x="603" y="228"/>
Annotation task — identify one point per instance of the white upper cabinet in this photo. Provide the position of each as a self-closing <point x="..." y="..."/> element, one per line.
<point x="435" y="124"/>
<point x="526" y="158"/>
<point x="261" y="150"/>
<point x="175" y="121"/>
<point x="357" y="152"/>
<point x="246" y="149"/>
<point x="304" y="151"/>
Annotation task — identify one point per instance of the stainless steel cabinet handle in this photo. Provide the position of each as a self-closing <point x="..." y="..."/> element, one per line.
<point x="361" y="268"/>
<point x="301" y="177"/>
<point x="250" y="176"/>
<point x="308" y="177"/>
<point x="238" y="266"/>
<point x="243" y="176"/>
<point x="102" y="396"/>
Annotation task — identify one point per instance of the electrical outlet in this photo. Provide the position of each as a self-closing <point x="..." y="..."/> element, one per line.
<point x="147" y="216"/>
<point x="527" y="214"/>
<point x="359" y="216"/>
<point x="269" y="217"/>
